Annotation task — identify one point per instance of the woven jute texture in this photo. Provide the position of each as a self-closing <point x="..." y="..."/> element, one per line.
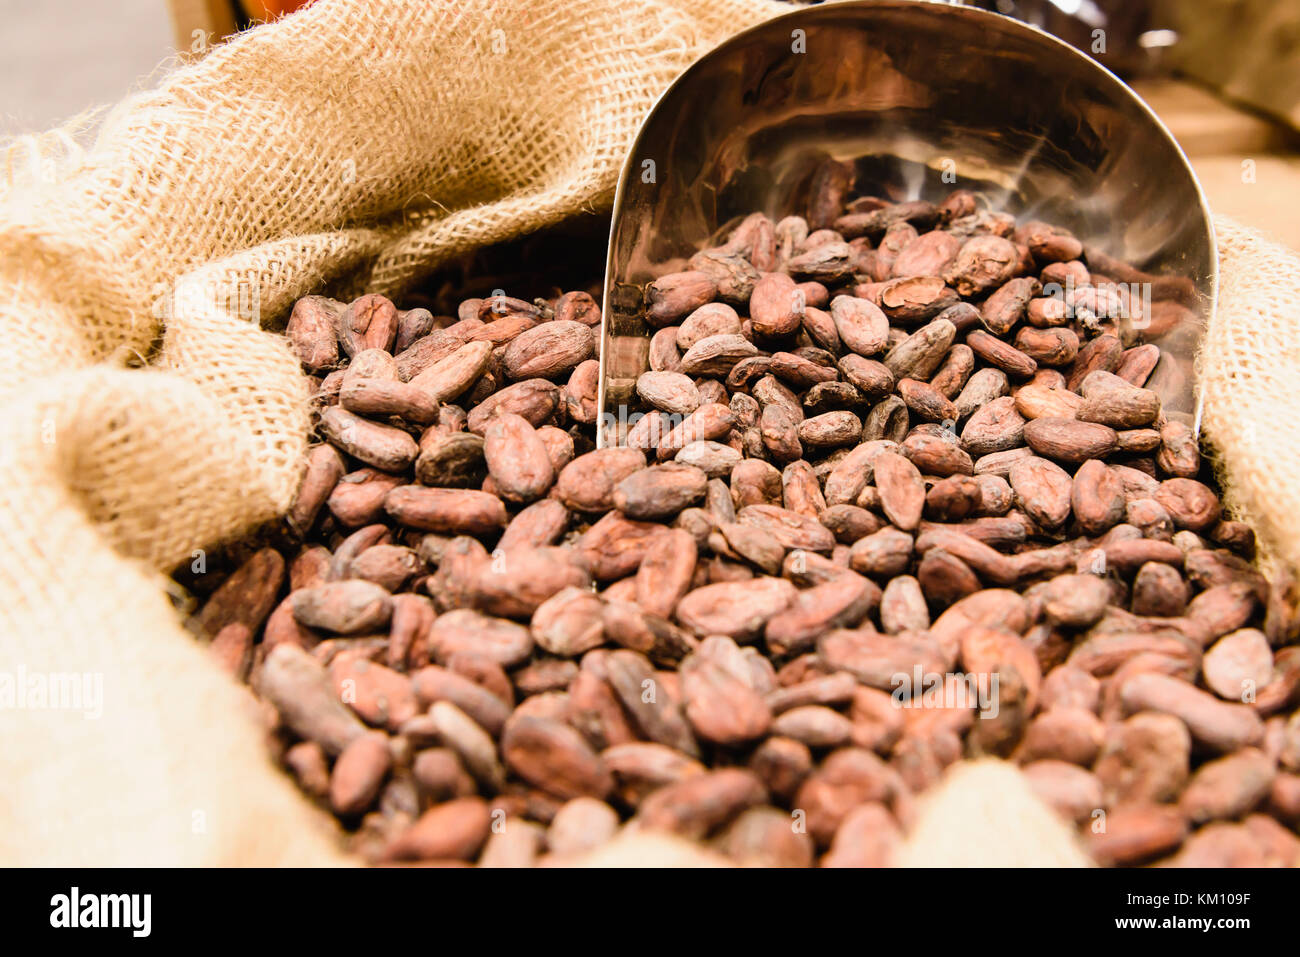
<point x="1249" y="370"/>
<point x="145" y="414"/>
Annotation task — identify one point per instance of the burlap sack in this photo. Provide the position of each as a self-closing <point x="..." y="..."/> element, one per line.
<point x="1249" y="369"/>
<point x="145" y="415"/>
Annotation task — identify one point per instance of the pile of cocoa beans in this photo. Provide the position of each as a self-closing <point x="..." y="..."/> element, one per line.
<point x="886" y="500"/>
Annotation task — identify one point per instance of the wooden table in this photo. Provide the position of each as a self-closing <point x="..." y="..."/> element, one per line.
<point x="1248" y="166"/>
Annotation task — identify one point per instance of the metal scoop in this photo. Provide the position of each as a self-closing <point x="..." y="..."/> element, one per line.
<point x="923" y="98"/>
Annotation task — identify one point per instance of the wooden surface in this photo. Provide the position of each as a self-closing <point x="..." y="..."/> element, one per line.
<point x="1248" y="166"/>
<point x="215" y="18"/>
<point x="220" y="18"/>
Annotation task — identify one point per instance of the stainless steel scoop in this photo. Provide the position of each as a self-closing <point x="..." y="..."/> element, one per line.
<point x="925" y="98"/>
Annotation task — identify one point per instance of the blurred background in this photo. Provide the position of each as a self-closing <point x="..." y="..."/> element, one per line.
<point x="1224" y="75"/>
<point x="60" y="58"/>
<point x="67" y="56"/>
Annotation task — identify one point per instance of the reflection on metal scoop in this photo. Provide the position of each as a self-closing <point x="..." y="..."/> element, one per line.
<point x="922" y="98"/>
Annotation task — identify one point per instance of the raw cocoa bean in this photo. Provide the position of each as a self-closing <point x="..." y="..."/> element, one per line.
<point x="1212" y="723"/>
<point x="555" y="758"/>
<point x="660" y="492"/>
<point x="446" y="511"/>
<point x="701" y="803"/>
<point x="569" y="623"/>
<point x="982" y="263"/>
<point x="840" y="603"/>
<point x="670" y="392"/>
<point x="454" y="830"/>
<point x="736" y="609"/>
<point x="1000" y="354"/>
<point x="367" y="323"/>
<point x="312" y="332"/>
<point x="921" y="353"/>
<point x="1069" y="440"/>
<point x="672" y="297"/>
<point x="1043" y="489"/>
<point x="1006" y="306"/>
<point x="386" y="448"/>
<point x="448" y="377"/>
<point x="648" y="704"/>
<point x="720" y="707"/>
<point x="454" y="460"/>
<point x="665" y="573"/>
<point x="587" y="483"/>
<point x="297" y="685"/>
<point x="548" y="349"/>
